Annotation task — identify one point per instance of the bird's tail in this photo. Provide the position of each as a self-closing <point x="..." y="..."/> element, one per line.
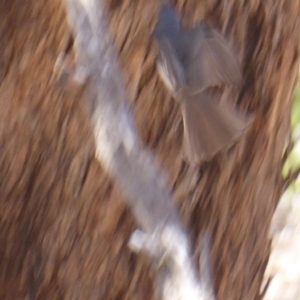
<point x="209" y="126"/>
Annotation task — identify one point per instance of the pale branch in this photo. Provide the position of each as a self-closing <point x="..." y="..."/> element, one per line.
<point x="129" y="164"/>
<point x="205" y="263"/>
<point x="117" y="145"/>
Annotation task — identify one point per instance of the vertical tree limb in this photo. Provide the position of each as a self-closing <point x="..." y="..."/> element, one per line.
<point x="131" y="166"/>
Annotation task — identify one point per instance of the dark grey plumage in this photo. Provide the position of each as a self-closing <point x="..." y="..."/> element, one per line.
<point x="194" y="64"/>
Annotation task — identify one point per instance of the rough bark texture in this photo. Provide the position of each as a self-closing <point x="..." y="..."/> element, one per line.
<point x="64" y="227"/>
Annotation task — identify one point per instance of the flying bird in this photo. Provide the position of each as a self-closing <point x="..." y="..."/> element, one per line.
<point x="195" y="64"/>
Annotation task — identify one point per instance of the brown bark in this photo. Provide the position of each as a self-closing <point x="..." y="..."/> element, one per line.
<point x="64" y="226"/>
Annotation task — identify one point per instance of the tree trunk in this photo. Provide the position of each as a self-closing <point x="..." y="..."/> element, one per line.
<point x="64" y="226"/>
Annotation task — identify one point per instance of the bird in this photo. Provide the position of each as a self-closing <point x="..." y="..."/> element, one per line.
<point x="195" y="64"/>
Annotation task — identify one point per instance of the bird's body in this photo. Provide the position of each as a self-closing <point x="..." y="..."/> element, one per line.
<point x="194" y="64"/>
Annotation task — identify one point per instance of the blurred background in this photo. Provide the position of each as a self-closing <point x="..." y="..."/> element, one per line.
<point x="284" y="264"/>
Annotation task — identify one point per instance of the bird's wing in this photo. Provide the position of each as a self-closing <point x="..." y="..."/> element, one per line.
<point x="209" y="61"/>
<point x="209" y="127"/>
<point x="169" y="66"/>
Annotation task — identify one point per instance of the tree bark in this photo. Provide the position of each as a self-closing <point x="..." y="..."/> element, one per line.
<point x="64" y="226"/>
